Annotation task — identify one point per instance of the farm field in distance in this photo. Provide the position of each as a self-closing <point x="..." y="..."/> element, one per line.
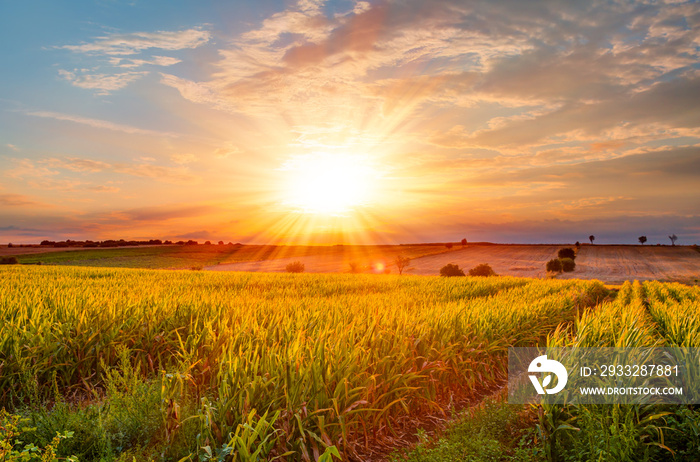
<point x="608" y="263"/>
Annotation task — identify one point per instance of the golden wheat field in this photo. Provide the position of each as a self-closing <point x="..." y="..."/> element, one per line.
<point x="188" y="365"/>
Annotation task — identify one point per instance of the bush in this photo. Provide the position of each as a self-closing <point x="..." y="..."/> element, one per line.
<point x="482" y="270"/>
<point x="451" y="270"/>
<point x="554" y="265"/>
<point x="9" y="261"/>
<point x="448" y="245"/>
<point x="295" y="267"/>
<point x="566" y="253"/>
<point x="568" y="265"/>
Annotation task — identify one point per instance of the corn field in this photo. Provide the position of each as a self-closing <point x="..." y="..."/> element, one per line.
<point x="246" y="366"/>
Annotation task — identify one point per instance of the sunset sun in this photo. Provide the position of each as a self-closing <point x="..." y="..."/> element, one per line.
<point x="328" y="184"/>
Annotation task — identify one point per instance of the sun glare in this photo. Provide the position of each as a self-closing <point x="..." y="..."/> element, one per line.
<point x="328" y="184"/>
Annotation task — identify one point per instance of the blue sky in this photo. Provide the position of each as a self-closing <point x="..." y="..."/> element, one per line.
<point x="313" y="121"/>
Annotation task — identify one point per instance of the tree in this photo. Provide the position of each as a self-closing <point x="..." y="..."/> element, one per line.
<point x="450" y="270"/>
<point x="448" y="245"/>
<point x="578" y="245"/>
<point x="554" y="265"/>
<point x="295" y="267"/>
<point x="591" y="238"/>
<point x="566" y="252"/>
<point x="673" y="238"/>
<point x="464" y="242"/>
<point x="401" y="263"/>
<point x="568" y="265"/>
<point x="483" y="269"/>
<point x="642" y="239"/>
<point x="9" y="246"/>
<point x="221" y="242"/>
<point x="207" y="243"/>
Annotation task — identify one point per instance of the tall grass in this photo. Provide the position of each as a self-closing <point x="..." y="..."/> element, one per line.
<point x="300" y="362"/>
<point x="651" y="314"/>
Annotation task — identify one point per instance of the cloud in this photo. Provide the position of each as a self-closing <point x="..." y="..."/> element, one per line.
<point x="167" y="212"/>
<point x="16" y="200"/>
<point x="129" y="63"/>
<point x="132" y="43"/>
<point x="165" y="174"/>
<point x="203" y="234"/>
<point x="183" y="158"/>
<point x="79" y="165"/>
<point x="103" y="189"/>
<point x="101" y="124"/>
<point x="40" y="175"/>
<point x="104" y="83"/>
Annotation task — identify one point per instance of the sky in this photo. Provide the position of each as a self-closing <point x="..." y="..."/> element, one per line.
<point x="327" y="122"/>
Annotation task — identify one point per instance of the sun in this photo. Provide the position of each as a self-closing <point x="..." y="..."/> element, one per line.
<point x="328" y="184"/>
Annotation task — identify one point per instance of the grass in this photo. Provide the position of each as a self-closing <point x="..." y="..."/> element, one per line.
<point x="493" y="431"/>
<point x="183" y="365"/>
<point x="311" y="362"/>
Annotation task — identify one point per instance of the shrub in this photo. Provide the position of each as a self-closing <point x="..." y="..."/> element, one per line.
<point x="451" y="270"/>
<point x="295" y="267"/>
<point x="554" y="265"/>
<point x="448" y="245"/>
<point x="566" y="252"/>
<point x="482" y="270"/>
<point x="568" y="265"/>
<point x="9" y="261"/>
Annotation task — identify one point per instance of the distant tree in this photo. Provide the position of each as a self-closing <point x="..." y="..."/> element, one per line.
<point x="450" y="270"/>
<point x="566" y="252"/>
<point x="9" y="245"/>
<point x="554" y="265"/>
<point x="642" y="239"/>
<point x="567" y="265"/>
<point x="673" y="238"/>
<point x="483" y="269"/>
<point x="295" y="267"/>
<point x="401" y="263"/>
<point x="168" y="242"/>
<point x="191" y="242"/>
<point x="230" y="243"/>
<point x="464" y="242"/>
<point x="448" y="245"/>
<point x="221" y="242"/>
<point x="591" y="238"/>
<point x="9" y="261"/>
<point x="207" y="243"/>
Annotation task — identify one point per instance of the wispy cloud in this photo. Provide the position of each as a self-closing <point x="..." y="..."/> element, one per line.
<point x="104" y="83"/>
<point x="101" y="124"/>
<point x="17" y="200"/>
<point x="135" y="42"/>
<point x="115" y="53"/>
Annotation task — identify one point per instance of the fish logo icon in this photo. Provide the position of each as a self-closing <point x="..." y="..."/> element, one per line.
<point x="548" y="366"/>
